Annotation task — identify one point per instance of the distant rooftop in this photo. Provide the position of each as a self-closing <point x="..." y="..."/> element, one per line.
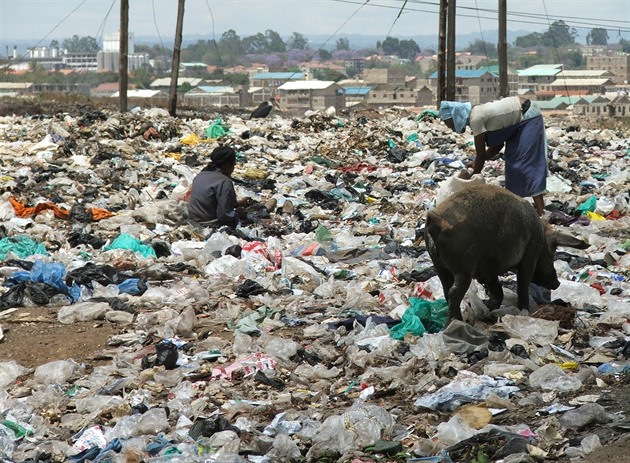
<point x="307" y="85"/>
<point x="278" y="75"/>
<point x="357" y="91"/>
<point x="468" y="73"/>
<point x="542" y="70"/>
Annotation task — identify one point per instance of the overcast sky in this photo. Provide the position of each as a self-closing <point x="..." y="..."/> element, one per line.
<point x="44" y="19"/>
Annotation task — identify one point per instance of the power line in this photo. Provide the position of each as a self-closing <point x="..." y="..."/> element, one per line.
<point x="553" y="38"/>
<point x="588" y="23"/>
<point x="157" y="29"/>
<point x="214" y="38"/>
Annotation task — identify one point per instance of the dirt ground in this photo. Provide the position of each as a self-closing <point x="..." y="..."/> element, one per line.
<point x="33" y="336"/>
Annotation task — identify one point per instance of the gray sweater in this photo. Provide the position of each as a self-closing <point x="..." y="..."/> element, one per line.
<point x="213" y="199"/>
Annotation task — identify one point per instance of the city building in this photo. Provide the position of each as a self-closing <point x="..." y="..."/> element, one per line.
<point x="618" y="64"/>
<point x="478" y="86"/>
<point x="535" y="76"/>
<point x="213" y="95"/>
<point x="275" y="79"/>
<point x="311" y="94"/>
<point x="108" y="59"/>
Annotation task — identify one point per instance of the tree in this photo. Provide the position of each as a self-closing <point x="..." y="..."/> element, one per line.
<point x="597" y="36"/>
<point x="408" y="49"/>
<point x="231" y="45"/>
<point x="532" y="40"/>
<point x="324" y="55"/>
<point x="142" y="78"/>
<point x="256" y="44"/>
<point x="342" y="44"/>
<point x="328" y="74"/>
<point x="81" y="44"/>
<point x="297" y="41"/>
<point x="276" y="44"/>
<point x="54" y="44"/>
<point x="184" y="87"/>
<point x="559" y="35"/>
<point x="481" y="47"/>
<point x="625" y="45"/>
<point x="389" y="46"/>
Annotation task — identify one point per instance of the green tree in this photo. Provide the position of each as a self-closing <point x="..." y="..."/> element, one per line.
<point x="532" y="40"/>
<point x="81" y="44"/>
<point x="324" y="55"/>
<point x="559" y="35"/>
<point x="297" y="41"/>
<point x="342" y="44"/>
<point x="54" y="44"/>
<point x="276" y="44"/>
<point x="389" y="46"/>
<point x="231" y="46"/>
<point x="184" y="88"/>
<point x="256" y="44"/>
<point x="625" y="45"/>
<point x="481" y="47"/>
<point x="328" y="74"/>
<point x="142" y="78"/>
<point x="597" y="36"/>
<point x="408" y="49"/>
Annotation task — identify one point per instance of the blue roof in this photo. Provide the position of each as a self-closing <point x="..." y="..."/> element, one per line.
<point x="358" y="90"/>
<point x="467" y="73"/>
<point x="216" y="89"/>
<point x="278" y="75"/>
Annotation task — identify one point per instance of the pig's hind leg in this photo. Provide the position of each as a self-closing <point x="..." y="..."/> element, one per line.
<point x="456" y="294"/>
<point x="495" y="292"/>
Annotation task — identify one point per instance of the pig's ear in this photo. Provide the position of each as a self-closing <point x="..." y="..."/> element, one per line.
<point x="560" y="239"/>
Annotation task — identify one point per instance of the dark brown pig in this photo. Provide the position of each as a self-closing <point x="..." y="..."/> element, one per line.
<point x="485" y="231"/>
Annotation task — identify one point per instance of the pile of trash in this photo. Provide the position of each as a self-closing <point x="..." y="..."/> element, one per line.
<point x="317" y="332"/>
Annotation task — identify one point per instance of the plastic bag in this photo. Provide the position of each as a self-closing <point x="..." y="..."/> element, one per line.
<point x="457" y="182"/>
<point x="166" y="355"/>
<point x="126" y="241"/>
<point x="216" y="129"/>
<point x="421" y="317"/>
<point x="22" y="246"/>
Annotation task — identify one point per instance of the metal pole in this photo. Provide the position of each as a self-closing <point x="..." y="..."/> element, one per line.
<point x="504" y="89"/>
<point x="450" y="52"/>
<point x="124" y="49"/>
<point x="172" y="96"/>
<point x="441" y="88"/>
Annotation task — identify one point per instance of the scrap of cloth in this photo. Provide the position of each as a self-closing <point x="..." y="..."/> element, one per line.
<point x="459" y="112"/>
<point x="24" y="211"/>
<point x="525" y="156"/>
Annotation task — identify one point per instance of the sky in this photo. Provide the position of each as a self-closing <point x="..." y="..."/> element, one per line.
<point x="44" y="20"/>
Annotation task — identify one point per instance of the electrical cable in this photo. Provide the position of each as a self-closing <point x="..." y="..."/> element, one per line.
<point x="157" y="29"/>
<point x="214" y="38"/>
<point x="483" y="41"/>
<point x="578" y="23"/>
<point x="553" y="38"/>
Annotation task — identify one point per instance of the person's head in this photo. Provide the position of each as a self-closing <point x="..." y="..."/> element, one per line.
<point x="455" y="115"/>
<point x="222" y="158"/>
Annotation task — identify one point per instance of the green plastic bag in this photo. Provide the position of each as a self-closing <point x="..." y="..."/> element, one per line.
<point x="22" y="246"/>
<point x="412" y="136"/>
<point x="325" y="237"/>
<point x="126" y="241"/>
<point x="421" y="317"/>
<point x="588" y="206"/>
<point x="217" y="129"/>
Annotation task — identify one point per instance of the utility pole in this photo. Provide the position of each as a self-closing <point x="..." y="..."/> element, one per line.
<point x="172" y="96"/>
<point x="441" y="88"/>
<point x="504" y="89"/>
<point x="450" y="52"/>
<point x="124" y="50"/>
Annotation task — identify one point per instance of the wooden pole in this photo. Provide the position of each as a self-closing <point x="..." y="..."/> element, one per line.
<point x="124" y="50"/>
<point x="450" y="51"/>
<point x="172" y="97"/>
<point x="441" y="88"/>
<point x="504" y="88"/>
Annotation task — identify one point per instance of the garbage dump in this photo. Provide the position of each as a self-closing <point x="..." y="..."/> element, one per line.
<point x="318" y="329"/>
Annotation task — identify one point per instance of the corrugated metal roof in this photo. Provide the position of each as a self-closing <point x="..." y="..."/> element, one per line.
<point x="577" y="82"/>
<point x="142" y="93"/>
<point x="588" y="99"/>
<point x="358" y="90"/>
<point x="582" y="73"/>
<point x="542" y="70"/>
<point x="278" y="75"/>
<point x="551" y="104"/>
<point x="468" y="73"/>
<point x="307" y="85"/>
<point x="166" y="81"/>
<point x="216" y="89"/>
<point x="15" y="85"/>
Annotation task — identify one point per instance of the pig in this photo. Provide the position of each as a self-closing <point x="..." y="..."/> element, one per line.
<point x="484" y="231"/>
